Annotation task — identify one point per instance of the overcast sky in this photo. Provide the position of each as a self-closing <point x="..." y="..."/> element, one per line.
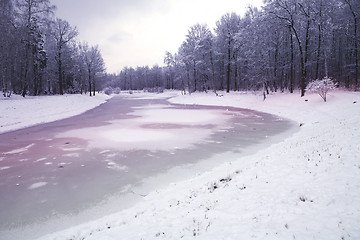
<point x="138" y="32"/>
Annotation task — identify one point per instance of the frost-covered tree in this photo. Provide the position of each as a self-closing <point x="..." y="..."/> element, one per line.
<point x="321" y="87"/>
<point x="94" y="63"/>
<point x="296" y="14"/>
<point x="277" y="47"/>
<point x="169" y="70"/>
<point x="198" y="50"/>
<point x="7" y="40"/>
<point x="354" y="8"/>
<point x="226" y="30"/>
<point x="63" y="33"/>
<point x="33" y="14"/>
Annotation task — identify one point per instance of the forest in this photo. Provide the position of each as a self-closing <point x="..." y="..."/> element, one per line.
<point x="39" y="53"/>
<point x="281" y="47"/>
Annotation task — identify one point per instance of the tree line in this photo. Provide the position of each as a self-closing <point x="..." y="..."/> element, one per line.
<point x="283" y="46"/>
<point x="39" y="53"/>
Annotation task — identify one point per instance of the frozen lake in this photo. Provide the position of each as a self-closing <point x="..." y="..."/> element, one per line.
<point x="66" y="172"/>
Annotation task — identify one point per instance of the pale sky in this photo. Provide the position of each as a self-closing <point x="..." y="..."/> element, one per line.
<point x="139" y="32"/>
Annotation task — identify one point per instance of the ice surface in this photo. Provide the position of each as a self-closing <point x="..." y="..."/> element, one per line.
<point x="40" y="160"/>
<point x="158" y="128"/>
<point x="19" y="150"/>
<point x="37" y="185"/>
<point x="116" y="167"/>
<point x="71" y="155"/>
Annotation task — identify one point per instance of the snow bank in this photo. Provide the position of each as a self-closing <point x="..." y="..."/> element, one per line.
<point x="18" y="112"/>
<point x="305" y="187"/>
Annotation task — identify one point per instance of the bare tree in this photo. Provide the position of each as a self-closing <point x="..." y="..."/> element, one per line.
<point x="226" y="30"/>
<point x="63" y="34"/>
<point x="354" y="8"/>
<point x="32" y="14"/>
<point x="7" y="29"/>
<point x="94" y="63"/>
<point x="170" y="62"/>
<point x="288" y="11"/>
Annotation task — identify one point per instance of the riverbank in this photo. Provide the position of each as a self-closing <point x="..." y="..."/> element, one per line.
<point x="304" y="187"/>
<point x="18" y="112"/>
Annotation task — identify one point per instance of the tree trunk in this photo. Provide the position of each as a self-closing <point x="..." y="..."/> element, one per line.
<point x="60" y="73"/>
<point x="356" y="54"/>
<point x="213" y="71"/>
<point x="318" y="54"/>
<point x="195" y="82"/>
<point x="188" y="78"/>
<point x="222" y="72"/>
<point x="236" y="75"/>
<point x="326" y="65"/>
<point x="275" y="67"/>
<point x="28" y="69"/>
<point x="319" y="42"/>
<point x="291" y="63"/>
<point x="94" y="85"/>
<point x="307" y="42"/>
<point x="355" y="45"/>
<point x="228" y="68"/>
<point x="90" y="89"/>
<point x="302" y="61"/>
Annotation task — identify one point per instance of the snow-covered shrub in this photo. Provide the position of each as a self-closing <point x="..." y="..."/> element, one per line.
<point x="154" y="90"/>
<point x="116" y="90"/>
<point x="321" y="87"/>
<point x="108" y="91"/>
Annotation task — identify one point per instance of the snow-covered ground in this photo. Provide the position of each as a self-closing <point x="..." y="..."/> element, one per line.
<point x="18" y="112"/>
<point x="304" y="187"/>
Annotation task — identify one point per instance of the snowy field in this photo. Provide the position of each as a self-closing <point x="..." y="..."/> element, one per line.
<point x="304" y="187"/>
<point x="18" y="112"/>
